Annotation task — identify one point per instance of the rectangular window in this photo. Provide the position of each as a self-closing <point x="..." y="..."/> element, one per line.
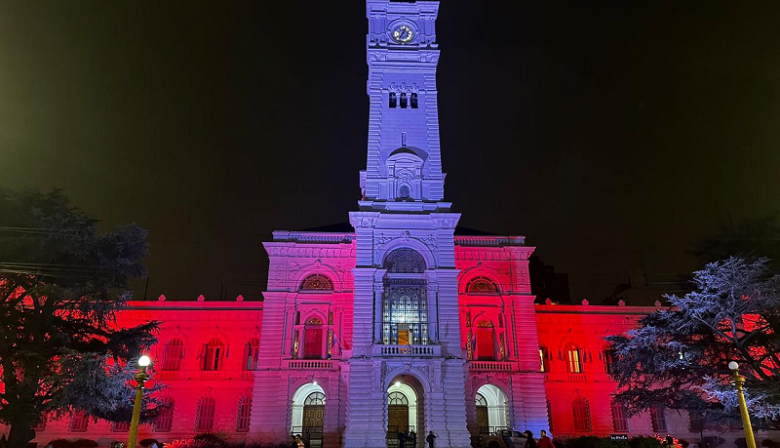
<point x="575" y="364"/>
<point x="79" y="421"/>
<point x="658" y="418"/>
<point x="120" y="426"/>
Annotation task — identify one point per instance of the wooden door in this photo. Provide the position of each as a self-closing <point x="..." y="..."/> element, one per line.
<point x="397" y="418"/>
<point x="483" y="425"/>
<point x="313" y="421"/>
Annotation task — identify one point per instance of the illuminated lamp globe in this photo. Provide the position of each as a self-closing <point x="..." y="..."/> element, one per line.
<point x="733" y="365"/>
<point x="144" y="361"/>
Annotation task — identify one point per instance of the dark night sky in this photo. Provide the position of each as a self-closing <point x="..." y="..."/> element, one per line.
<point x="611" y="134"/>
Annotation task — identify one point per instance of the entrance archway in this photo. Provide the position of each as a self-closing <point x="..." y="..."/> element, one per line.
<point x="491" y="404"/>
<point x="308" y="413"/>
<point x="405" y="412"/>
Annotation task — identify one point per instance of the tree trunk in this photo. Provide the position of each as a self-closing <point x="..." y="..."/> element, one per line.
<point x="20" y="434"/>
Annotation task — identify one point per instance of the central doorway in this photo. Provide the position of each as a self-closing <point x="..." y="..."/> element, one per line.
<point x="314" y="418"/>
<point x="404" y="413"/>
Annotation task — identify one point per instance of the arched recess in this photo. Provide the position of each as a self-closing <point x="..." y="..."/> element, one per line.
<point x="479" y="271"/>
<point x="496" y="408"/>
<point x="316" y="394"/>
<point x="405" y="302"/>
<point x="405" y="404"/>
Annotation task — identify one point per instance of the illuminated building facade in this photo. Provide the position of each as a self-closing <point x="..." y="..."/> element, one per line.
<point x="396" y="324"/>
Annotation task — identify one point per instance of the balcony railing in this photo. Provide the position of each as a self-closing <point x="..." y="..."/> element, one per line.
<point x="407" y="350"/>
<point x="306" y="364"/>
<point x="494" y="366"/>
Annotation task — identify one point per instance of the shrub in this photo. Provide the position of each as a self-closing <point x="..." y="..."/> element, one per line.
<point x="84" y="443"/>
<point x="148" y="442"/>
<point x="60" y="443"/>
<point x="644" y="442"/>
<point x="712" y="441"/>
<point x="769" y="443"/>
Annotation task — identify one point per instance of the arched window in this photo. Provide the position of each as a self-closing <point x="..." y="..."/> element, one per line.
<point x="658" y="419"/>
<point x="619" y="418"/>
<point x="251" y="351"/>
<point x="397" y="398"/>
<point x="313" y="331"/>
<point x="573" y="359"/>
<point x="204" y="420"/>
<point x="213" y="352"/>
<point x="316" y="282"/>
<point x="244" y="414"/>
<point x="481" y="285"/>
<point x="314" y="399"/>
<point x="404" y="261"/>
<point x="544" y="358"/>
<point x="403" y="101"/>
<point x="393" y="99"/>
<point x="404" y="192"/>
<point x="164" y="419"/>
<point x="485" y="341"/>
<point x="172" y="356"/>
<point x="79" y="421"/>
<point x="480" y="400"/>
<point x="581" y="410"/>
<point x="414" y="101"/>
<point x="120" y="426"/>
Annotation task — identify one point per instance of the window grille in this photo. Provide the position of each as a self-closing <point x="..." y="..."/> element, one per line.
<point x="120" y="426"/>
<point x="581" y="409"/>
<point x="314" y="399"/>
<point x="79" y="421"/>
<point x="244" y="414"/>
<point x="164" y="420"/>
<point x="204" y="421"/>
<point x="658" y="419"/>
<point x="619" y="418"/>
<point x="397" y="398"/>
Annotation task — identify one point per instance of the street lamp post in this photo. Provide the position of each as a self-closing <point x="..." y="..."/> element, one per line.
<point x="140" y="378"/>
<point x="739" y="382"/>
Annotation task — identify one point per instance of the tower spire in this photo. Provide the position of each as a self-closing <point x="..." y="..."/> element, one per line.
<point x="402" y="56"/>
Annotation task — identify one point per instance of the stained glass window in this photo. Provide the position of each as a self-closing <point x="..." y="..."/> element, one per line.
<point x="481" y="285"/>
<point x="405" y="313"/>
<point x="316" y="282"/>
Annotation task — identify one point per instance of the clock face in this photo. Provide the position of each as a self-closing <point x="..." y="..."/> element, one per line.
<point x="403" y="34"/>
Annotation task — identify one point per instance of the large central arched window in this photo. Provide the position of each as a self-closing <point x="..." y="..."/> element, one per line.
<point x="405" y="302"/>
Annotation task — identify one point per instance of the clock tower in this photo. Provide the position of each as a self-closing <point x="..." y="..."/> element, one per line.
<point x="407" y="367"/>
